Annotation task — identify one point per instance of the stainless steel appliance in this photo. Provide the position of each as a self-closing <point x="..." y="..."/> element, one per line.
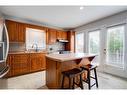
<point x="4" y="46"/>
<point x="62" y="40"/>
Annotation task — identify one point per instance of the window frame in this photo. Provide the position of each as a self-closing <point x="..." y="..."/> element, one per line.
<point x="36" y="30"/>
<point x="76" y="41"/>
<point x="88" y="38"/>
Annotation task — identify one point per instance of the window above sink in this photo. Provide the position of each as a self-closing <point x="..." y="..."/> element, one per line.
<point x="35" y="39"/>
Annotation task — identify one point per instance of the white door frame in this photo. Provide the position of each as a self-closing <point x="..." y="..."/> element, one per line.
<point x="108" y="68"/>
<point x="103" y="67"/>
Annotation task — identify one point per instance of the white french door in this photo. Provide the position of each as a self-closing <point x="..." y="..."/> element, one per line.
<point x="109" y="44"/>
<point x="114" y="50"/>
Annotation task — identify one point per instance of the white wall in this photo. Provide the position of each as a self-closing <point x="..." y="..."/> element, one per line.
<point x="30" y="22"/>
<point x="102" y="24"/>
<point x="1" y="15"/>
<point x="111" y="20"/>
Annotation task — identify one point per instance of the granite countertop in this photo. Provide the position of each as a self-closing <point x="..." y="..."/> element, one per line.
<point x="69" y="56"/>
<point x="25" y="52"/>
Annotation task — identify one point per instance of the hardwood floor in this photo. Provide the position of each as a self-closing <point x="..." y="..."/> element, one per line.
<point x="106" y="81"/>
<point x="37" y="81"/>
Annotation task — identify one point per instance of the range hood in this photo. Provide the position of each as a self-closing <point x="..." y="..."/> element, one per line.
<point x="62" y="40"/>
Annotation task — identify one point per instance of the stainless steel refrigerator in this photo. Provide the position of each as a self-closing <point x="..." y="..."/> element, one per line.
<point x="4" y="46"/>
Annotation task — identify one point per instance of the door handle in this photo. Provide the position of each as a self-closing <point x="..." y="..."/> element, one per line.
<point x="104" y="51"/>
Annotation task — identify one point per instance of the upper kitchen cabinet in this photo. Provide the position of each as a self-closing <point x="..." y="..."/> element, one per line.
<point x="71" y="38"/>
<point x="51" y="36"/>
<point x="16" y="31"/>
<point x="62" y="35"/>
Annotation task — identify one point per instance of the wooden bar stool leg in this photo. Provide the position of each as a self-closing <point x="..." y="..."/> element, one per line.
<point x="73" y="86"/>
<point x="63" y="81"/>
<point x="89" y="84"/>
<point x="81" y="82"/>
<point x="69" y="83"/>
<point x="96" y="77"/>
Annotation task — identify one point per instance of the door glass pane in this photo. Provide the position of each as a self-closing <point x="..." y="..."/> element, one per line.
<point x="80" y="42"/>
<point x="94" y="43"/>
<point x="115" y="46"/>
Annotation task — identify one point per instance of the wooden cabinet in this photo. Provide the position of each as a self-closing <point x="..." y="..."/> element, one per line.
<point x="52" y="36"/>
<point x="8" y="62"/>
<point x="37" y="61"/>
<point x="61" y="35"/>
<point x="16" y="31"/>
<point x="19" y="64"/>
<point x="25" y="63"/>
<point x="71" y="38"/>
<point x="64" y="35"/>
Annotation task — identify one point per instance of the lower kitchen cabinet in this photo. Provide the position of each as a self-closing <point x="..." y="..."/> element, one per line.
<point x="19" y="64"/>
<point x="25" y="63"/>
<point x="37" y="61"/>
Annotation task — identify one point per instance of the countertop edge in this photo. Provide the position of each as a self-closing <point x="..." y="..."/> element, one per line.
<point x="26" y="52"/>
<point x="59" y="60"/>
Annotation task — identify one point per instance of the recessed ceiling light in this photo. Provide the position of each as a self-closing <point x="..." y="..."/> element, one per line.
<point x="81" y="8"/>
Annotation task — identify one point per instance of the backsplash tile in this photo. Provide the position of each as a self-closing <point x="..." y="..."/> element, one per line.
<point x="17" y="47"/>
<point x="49" y="48"/>
<point x="55" y="47"/>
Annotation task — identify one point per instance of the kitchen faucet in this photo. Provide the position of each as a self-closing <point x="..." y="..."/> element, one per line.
<point x="36" y="46"/>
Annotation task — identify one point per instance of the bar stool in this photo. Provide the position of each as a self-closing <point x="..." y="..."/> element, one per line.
<point x="71" y="74"/>
<point x="89" y="68"/>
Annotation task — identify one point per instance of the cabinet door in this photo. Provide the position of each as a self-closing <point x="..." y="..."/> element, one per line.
<point x="16" y="31"/>
<point x="19" y="64"/>
<point x="37" y="62"/>
<point x="64" y="35"/>
<point x="13" y="34"/>
<point x="71" y="38"/>
<point x="21" y="32"/>
<point x="43" y="62"/>
<point x="51" y="36"/>
<point x="59" y="35"/>
<point x="25" y="64"/>
<point x="8" y="62"/>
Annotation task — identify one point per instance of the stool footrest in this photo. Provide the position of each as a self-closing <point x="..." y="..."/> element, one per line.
<point x="92" y="85"/>
<point x="77" y="84"/>
<point x="85" y="81"/>
<point x="92" y="77"/>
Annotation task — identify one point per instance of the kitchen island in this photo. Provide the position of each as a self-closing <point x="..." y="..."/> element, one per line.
<point x="57" y="63"/>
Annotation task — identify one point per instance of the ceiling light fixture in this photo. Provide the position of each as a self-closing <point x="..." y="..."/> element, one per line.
<point x="81" y="8"/>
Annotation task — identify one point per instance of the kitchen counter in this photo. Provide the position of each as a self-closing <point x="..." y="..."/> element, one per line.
<point x="25" y="52"/>
<point x="69" y="56"/>
<point x="57" y="63"/>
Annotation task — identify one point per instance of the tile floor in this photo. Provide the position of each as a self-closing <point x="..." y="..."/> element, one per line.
<point x="37" y="81"/>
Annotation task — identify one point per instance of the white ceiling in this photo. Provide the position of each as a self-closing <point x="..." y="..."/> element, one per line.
<point x="61" y="16"/>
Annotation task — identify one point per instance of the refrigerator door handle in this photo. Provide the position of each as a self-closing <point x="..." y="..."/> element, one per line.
<point x="7" y="38"/>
